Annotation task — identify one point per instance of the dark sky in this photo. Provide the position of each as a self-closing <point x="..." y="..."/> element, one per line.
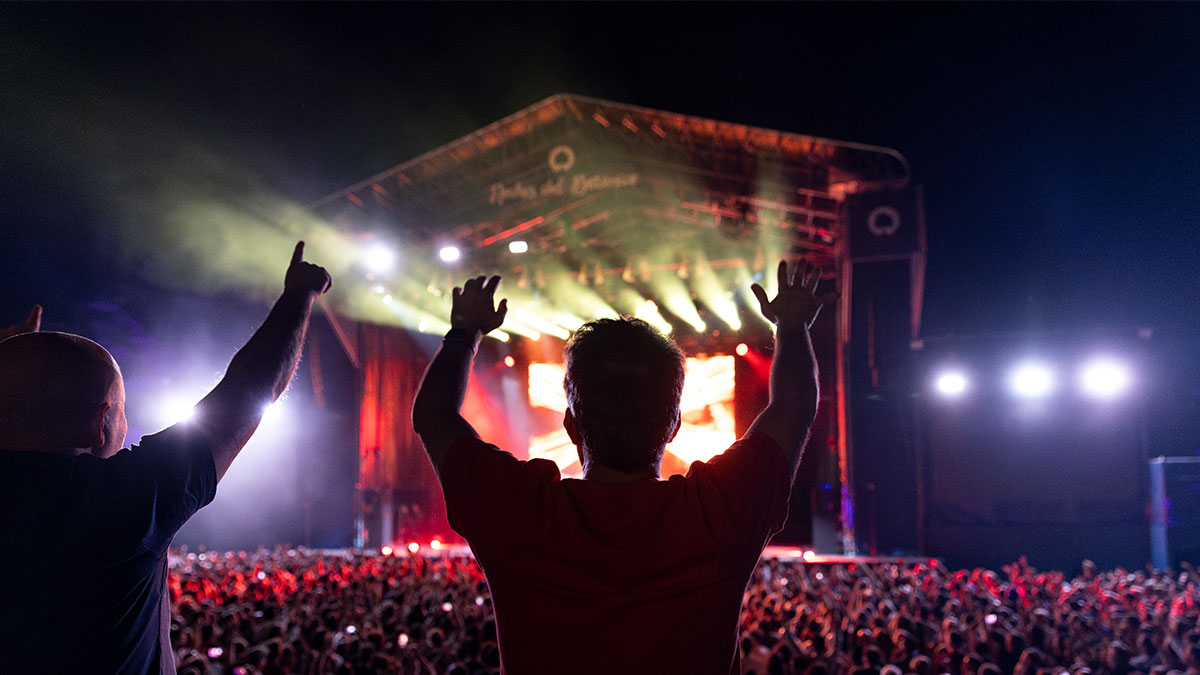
<point x="1059" y="145"/>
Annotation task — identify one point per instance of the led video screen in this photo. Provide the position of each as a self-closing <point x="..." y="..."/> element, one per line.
<point x="706" y="408"/>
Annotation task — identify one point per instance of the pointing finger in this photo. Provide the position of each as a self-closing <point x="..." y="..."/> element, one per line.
<point x="298" y="254"/>
<point x="501" y="311"/>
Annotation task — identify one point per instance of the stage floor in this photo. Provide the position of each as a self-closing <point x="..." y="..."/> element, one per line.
<point x="785" y="553"/>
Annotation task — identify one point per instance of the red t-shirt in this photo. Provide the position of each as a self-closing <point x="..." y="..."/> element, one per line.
<point x="641" y="578"/>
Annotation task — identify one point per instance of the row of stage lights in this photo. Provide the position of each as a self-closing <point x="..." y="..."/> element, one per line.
<point x="378" y="260"/>
<point x="413" y="547"/>
<point x="1102" y="378"/>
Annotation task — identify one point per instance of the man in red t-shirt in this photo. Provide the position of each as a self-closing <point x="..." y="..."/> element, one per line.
<point x="620" y="572"/>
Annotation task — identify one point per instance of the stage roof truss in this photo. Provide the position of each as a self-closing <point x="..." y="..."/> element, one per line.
<point x="597" y="189"/>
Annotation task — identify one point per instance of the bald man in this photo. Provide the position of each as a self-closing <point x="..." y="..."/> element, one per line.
<point x="85" y="524"/>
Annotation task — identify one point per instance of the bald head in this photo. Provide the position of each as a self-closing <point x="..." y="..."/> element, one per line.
<point x="60" y="393"/>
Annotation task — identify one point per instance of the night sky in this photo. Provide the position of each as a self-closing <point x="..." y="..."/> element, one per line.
<point x="1058" y="145"/>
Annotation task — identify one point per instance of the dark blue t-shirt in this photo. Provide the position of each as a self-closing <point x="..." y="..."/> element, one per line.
<point x="83" y="553"/>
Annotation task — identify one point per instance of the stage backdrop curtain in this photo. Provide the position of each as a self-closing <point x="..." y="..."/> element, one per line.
<point x="393" y="465"/>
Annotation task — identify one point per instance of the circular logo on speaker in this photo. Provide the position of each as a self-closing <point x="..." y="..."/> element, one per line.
<point x="883" y="221"/>
<point x="561" y="159"/>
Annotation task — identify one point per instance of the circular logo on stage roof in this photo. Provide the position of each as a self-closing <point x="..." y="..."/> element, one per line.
<point x="883" y="221"/>
<point x="561" y="159"/>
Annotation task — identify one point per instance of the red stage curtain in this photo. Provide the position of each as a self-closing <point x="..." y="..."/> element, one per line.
<point x="392" y="461"/>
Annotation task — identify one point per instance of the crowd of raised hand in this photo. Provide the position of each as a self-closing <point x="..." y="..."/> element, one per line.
<point x="302" y="611"/>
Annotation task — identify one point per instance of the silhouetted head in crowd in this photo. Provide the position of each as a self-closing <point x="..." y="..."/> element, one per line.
<point x="60" y="393"/>
<point x="623" y="384"/>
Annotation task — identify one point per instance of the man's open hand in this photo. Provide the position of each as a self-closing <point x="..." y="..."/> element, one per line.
<point x="473" y="309"/>
<point x="32" y="324"/>
<point x="305" y="277"/>
<point x="797" y="302"/>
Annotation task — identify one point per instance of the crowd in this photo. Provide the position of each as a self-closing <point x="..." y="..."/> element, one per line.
<point x="302" y="611"/>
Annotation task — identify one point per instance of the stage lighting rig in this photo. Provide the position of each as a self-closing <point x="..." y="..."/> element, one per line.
<point x="951" y="384"/>
<point x="449" y="254"/>
<point x="1032" y="380"/>
<point x="1104" y="378"/>
<point x="378" y="258"/>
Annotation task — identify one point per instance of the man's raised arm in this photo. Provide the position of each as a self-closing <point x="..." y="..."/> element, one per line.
<point x="794" y="395"/>
<point x="437" y="410"/>
<point x="261" y="370"/>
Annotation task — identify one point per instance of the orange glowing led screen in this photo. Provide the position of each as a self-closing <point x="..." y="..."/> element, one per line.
<point x="706" y="407"/>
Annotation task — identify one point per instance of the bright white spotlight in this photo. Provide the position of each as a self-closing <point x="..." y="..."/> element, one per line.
<point x="951" y="383"/>
<point x="273" y="415"/>
<point x="1032" y="380"/>
<point x="518" y="246"/>
<point x="378" y="258"/>
<point x="1104" y="378"/>
<point x="449" y="254"/>
<point x="176" y="410"/>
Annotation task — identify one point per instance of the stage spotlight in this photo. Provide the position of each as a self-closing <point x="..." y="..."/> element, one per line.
<point x="1032" y="380"/>
<point x="378" y="258"/>
<point x="509" y="361"/>
<point x="273" y="413"/>
<point x="1104" y="378"/>
<point x="518" y="246"/>
<point x="648" y="312"/>
<point x="413" y="547"/>
<point x="742" y="349"/>
<point x="387" y="299"/>
<point x="449" y="254"/>
<point x="386" y="550"/>
<point x="175" y="410"/>
<point x="378" y="289"/>
<point x="436" y="544"/>
<point x="951" y="383"/>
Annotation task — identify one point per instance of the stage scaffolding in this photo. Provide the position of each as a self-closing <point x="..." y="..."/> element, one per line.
<point x="609" y="198"/>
